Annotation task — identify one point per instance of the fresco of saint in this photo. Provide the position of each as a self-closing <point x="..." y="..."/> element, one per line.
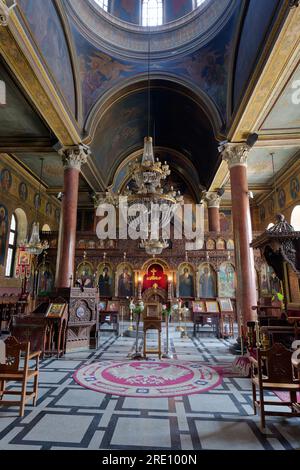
<point x="208" y="288"/>
<point x="186" y="283"/>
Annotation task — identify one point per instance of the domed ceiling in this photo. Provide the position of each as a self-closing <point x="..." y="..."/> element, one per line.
<point x="131" y="10"/>
<point x="201" y="61"/>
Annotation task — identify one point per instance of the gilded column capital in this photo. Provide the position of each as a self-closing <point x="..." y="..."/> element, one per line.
<point x="235" y="154"/>
<point x="212" y="199"/>
<point x="75" y="157"/>
<point x="5" y="12"/>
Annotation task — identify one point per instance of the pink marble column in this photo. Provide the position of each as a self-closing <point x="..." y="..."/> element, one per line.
<point x="213" y="201"/>
<point x="236" y="157"/>
<point x="73" y="159"/>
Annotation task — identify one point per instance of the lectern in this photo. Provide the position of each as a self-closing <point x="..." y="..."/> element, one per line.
<point x="152" y="319"/>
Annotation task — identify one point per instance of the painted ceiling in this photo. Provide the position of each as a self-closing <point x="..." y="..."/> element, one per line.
<point x="285" y="114"/>
<point x="18" y="118"/>
<point x="206" y="69"/>
<point x="53" y="174"/>
<point x="47" y="29"/>
<point x="176" y="123"/>
<point x="260" y="168"/>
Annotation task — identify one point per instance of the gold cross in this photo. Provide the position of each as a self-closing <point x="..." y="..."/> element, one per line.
<point x="154" y="271"/>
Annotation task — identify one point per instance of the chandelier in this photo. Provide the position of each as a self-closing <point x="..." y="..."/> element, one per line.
<point x="148" y="177"/>
<point x="35" y="247"/>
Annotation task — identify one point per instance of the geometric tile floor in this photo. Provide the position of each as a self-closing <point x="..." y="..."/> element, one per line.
<point x="68" y="416"/>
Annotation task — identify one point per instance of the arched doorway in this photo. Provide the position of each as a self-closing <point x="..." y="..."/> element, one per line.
<point x="155" y="295"/>
<point x="295" y="218"/>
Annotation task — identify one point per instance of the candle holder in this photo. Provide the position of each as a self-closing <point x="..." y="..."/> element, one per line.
<point x="131" y="328"/>
<point x="184" y="334"/>
<point x="122" y="321"/>
<point x="137" y="356"/>
<point x="167" y="354"/>
<point x="179" y="327"/>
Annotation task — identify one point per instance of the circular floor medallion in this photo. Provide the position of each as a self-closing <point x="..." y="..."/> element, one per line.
<point x="148" y="379"/>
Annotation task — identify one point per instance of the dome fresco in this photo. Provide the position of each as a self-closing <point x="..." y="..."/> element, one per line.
<point x="131" y="11"/>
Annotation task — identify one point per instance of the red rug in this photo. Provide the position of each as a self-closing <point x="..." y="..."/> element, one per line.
<point x="149" y="379"/>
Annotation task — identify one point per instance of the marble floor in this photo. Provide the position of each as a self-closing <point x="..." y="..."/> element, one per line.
<point x="70" y="417"/>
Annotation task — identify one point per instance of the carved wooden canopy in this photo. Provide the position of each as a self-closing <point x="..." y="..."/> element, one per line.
<point x="279" y="244"/>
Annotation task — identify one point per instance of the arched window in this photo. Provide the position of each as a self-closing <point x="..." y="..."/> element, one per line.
<point x="198" y="3"/>
<point x="295" y="218"/>
<point x="103" y="4"/>
<point x="152" y="12"/>
<point x="12" y="248"/>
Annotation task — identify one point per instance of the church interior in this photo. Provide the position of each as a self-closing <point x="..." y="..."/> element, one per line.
<point x="150" y="225"/>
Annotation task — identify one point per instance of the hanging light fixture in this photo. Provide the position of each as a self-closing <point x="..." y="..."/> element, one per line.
<point x="35" y="247"/>
<point x="148" y="176"/>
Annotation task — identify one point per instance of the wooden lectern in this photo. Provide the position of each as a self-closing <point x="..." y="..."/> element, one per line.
<point x="152" y="319"/>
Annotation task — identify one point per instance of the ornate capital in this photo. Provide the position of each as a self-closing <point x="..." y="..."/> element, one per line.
<point x="235" y="154"/>
<point x="75" y="157"/>
<point x="5" y="12"/>
<point x="212" y="199"/>
<point x="294" y="3"/>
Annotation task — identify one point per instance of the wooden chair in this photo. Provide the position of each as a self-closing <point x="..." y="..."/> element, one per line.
<point x="273" y="371"/>
<point x="13" y="372"/>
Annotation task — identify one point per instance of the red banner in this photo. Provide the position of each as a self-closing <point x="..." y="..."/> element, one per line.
<point x="155" y="278"/>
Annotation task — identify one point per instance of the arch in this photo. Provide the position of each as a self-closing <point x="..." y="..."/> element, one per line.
<point x="221" y="244"/>
<point x="210" y="244"/>
<point x="165" y="80"/>
<point x="12" y="247"/>
<point x="295" y="218"/>
<point x="155" y="295"/>
<point x="206" y="281"/>
<point x="22" y="225"/>
<point x="230" y="244"/>
<point x="158" y="261"/>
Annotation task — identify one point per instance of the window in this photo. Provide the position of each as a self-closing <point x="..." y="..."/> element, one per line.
<point x="198" y="3"/>
<point x="152" y="13"/>
<point x="103" y="4"/>
<point x="295" y="218"/>
<point x="12" y="248"/>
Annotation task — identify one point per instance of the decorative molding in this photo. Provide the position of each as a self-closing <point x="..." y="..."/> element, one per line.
<point x="235" y="154"/>
<point x="108" y="33"/>
<point x="5" y="13"/>
<point x="75" y="157"/>
<point x="271" y="75"/>
<point x="212" y="199"/>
